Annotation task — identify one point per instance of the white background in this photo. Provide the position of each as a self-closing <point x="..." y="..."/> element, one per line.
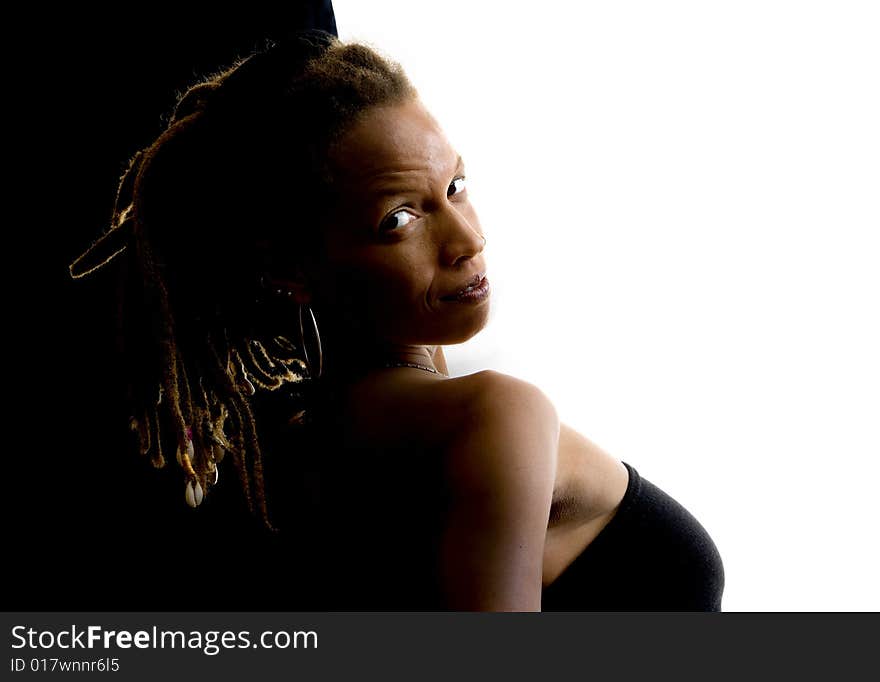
<point x="682" y="205"/>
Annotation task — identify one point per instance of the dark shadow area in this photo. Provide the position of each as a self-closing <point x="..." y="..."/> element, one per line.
<point x="89" y="525"/>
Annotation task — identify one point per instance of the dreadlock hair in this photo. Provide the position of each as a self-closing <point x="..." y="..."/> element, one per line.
<point x="240" y="168"/>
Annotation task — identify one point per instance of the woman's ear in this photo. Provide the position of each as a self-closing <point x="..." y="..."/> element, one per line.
<point x="295" y="285"/>
<point x="281" y="277"/>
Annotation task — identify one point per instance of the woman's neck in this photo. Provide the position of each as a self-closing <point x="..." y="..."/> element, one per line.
<point x="348" y="355"/>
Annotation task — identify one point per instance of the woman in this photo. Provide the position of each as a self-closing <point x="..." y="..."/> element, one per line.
<point x="297" y="248"/>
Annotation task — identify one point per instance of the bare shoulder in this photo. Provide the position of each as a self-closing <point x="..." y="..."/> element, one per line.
<point x="502" y="418"/>
<point x="496" y="439"/>
<point x="500" y="466"/>
<point x="491" y="393"/>
<point x="435" y="411"/>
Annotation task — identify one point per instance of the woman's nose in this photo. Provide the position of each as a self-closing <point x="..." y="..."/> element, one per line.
<point x="462" y="236"/>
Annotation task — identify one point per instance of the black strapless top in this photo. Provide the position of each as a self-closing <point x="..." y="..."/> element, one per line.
<point x="652" y="556"/>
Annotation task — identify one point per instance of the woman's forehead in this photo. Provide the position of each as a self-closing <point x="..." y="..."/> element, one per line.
<point x="389" y="143"/>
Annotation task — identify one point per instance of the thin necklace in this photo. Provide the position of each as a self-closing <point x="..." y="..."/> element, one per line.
<point x="411" y="364"/>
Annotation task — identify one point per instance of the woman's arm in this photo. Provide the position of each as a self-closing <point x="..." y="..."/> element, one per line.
<point x="501" y="468"/>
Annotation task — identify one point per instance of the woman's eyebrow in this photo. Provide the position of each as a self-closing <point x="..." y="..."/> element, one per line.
<point x="402" y="187"/>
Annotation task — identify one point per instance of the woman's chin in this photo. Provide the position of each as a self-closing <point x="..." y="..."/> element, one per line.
<point x="442" y="329"/>
<point x="463" y="330"/>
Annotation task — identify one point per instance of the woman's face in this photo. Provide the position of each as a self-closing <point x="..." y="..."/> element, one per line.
<point x="403" y="234"/>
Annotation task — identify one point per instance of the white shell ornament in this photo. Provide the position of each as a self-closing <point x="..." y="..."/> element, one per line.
<point x="190" y="495"/>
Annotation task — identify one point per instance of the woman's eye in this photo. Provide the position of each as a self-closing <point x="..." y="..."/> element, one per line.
<point x="459" y="184"/>
<point x="392" y="223"/>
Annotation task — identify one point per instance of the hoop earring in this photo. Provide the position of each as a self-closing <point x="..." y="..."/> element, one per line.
<point x="317" y="339"/>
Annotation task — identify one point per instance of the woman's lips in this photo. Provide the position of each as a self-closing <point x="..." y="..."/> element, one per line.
<point x="474" y="295"/>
